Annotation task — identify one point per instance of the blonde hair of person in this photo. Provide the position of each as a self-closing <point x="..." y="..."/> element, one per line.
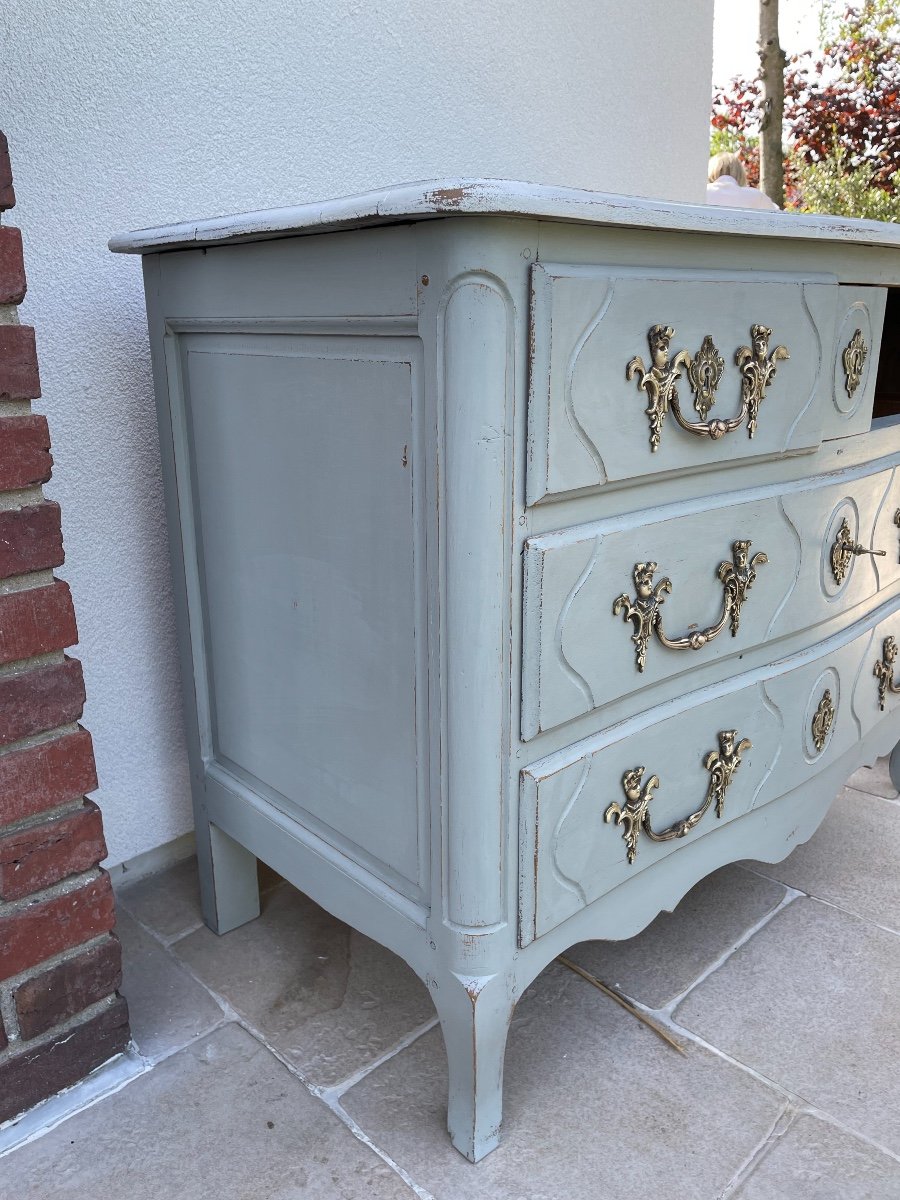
<point x="727" y="164"/>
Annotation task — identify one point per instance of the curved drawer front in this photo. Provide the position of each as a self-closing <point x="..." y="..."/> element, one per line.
<point x="604" y="602"/>
<point x="620" y="355"/>
<point x="854" y="364"/>
<point x="595" y="814"/>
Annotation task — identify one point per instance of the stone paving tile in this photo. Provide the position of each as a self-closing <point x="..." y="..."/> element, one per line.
<point x="851" y="860"/>
<point x="596" y="1107"/>
<point x="327" y="998"/>
<point x="811" y="1003"/>
<point x="874" y="780"/>
<point x="169" y="903"/>
<point x="815" y="1161"/>
<point x="660" y="963"/>
<point x="167" y="1008"/>
<point x="222" y="1118"/>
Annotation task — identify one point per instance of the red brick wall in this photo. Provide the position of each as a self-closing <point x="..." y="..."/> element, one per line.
<point x="60" y="964"/>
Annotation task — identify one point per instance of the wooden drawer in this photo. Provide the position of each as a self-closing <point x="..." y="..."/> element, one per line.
<point x="582" y="647"/>
<point x="854" y="366"/>
<point x="579" y="835"/>
<point x="591" y="352"/>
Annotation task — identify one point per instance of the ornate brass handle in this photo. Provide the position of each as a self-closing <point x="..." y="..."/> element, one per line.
<point x="884" y="671"/>
<point x="705" y="370"/>
<point x="634" y="814"/>
<point x="737" y="577"/>
<point x="843" y="549"/>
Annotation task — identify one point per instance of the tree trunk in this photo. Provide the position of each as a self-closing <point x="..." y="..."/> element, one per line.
<point x="772" y="61"/>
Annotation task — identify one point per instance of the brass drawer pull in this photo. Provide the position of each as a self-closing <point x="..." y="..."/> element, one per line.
<point x="634" y="814"/>
<point x="884" y="671"/>
<point x="844" y="548"/>
<point x="705" y="371"/>
<point x="644" y="611"/>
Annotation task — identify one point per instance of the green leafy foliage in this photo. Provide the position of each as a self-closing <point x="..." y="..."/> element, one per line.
<point x="831" y="185"/>
<point x="842" y="116"/>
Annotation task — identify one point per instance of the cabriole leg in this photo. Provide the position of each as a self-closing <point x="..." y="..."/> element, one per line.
<point x="229" y="891"/>
<point x="475" y="1016"/>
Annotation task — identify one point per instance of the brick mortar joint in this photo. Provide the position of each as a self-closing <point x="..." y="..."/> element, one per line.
<point x="38" y="739"/>
<point x="45" y="817"/>
<point x="14" y="584"/>
<point x="9" y="1016"/>
<point x="10" y="986"/>
<point x="21" y="666"/>
<point x="17" y="498"/>
<point x="59" y="1033"/>
<point x="10" y="908"/>
<point x="40" y="823"/>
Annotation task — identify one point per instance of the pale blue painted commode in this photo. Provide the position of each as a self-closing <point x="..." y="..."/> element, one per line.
<point x="535" y="554"/>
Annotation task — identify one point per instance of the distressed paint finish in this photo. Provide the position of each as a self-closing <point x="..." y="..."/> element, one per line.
<point x="490" y="589"/>
<point x="476" y="365"/>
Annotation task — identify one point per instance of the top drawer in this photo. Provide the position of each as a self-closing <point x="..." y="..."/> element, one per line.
<point x="623" y="359"/>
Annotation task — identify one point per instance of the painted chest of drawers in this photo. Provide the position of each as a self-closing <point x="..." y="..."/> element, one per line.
<point x="535" y="553"/>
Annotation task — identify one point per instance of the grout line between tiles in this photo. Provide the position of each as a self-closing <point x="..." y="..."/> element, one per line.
<point x="337" y="1090"/>
<point x="323" y="1095"/>
<point x="821" y="1115"/>
<point x="181" y="935"/>
<point x="359" y="1133"/>
<point x="821" y="900"/>
<point x="857" y="916"/>
<point x="793" y="1099"/>
<point x="153" y="1060"/>
<point x="49" y="1114"/>
<point x="333" y="1104"/>
<point x="791" y="894"/>
<point x="780" y="1126"/>
<point x="873" y="795"/>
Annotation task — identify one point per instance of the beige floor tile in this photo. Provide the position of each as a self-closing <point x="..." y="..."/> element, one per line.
<point x="326" y="997"/>
<point x="596" y="1107"/>
<point x="816" y="1161"/>
<point x="221" y="1119"/>
<point x="851" y="860"/>
<point x="876" y="780"/>
<point x="167" y="903"/>
<point x="167" y="1008"/>
<point x="811" y="1001"/>
<point x="660" y="963"/>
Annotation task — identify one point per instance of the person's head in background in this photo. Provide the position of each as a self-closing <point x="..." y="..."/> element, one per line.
<point x="727" y="163"/>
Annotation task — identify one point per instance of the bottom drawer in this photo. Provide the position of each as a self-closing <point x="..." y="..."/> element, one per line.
<point x="594" y="814"/>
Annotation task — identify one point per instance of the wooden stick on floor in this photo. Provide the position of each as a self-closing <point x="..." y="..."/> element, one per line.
<point x="619" y="999"/>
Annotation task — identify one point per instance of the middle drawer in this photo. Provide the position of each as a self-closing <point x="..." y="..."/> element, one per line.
<point x="619" y="605"/>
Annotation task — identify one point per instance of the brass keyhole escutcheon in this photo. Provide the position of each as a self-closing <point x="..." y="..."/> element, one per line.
<point x="843" y="549"/>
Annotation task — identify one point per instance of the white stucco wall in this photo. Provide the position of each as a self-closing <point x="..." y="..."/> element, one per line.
<point x="128" y="113"/>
